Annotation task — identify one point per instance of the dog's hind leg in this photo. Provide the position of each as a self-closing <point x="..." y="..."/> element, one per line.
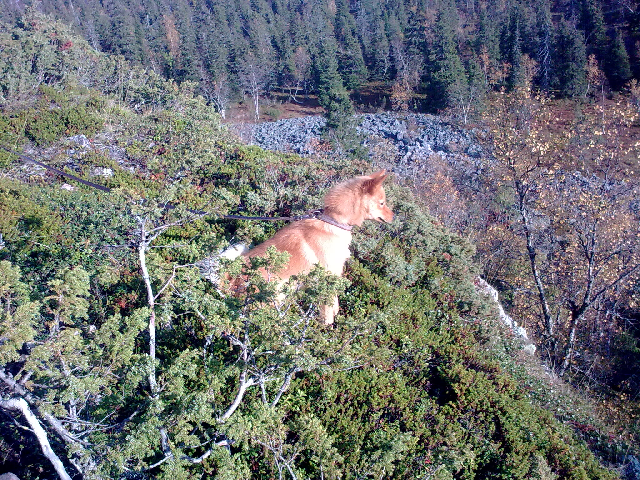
<point x="329" y="312"/>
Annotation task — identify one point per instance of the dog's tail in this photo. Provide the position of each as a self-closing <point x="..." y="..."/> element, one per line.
<point x="210" y="266"/>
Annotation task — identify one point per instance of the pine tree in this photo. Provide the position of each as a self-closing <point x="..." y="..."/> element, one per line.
<point x="617" y="66"/>
<point x="332" y="94"/>
<point x="448" y="73"/>
<point x="570" y="60"/>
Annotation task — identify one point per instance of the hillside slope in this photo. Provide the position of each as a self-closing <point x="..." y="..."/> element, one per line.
<point x="137" y="367"/>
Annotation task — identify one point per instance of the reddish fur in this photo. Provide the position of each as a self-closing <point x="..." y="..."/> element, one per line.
<point x="314" y="241"/>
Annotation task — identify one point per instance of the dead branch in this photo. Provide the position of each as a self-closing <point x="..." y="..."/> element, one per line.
<point x="21" y="405"/>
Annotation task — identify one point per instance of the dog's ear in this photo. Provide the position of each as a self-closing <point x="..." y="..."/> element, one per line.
<point x="374" y="180"/>
<point x="379" y="176"/>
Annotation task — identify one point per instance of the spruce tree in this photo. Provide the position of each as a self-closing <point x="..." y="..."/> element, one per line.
<point x="570" y="61"/>
<point x="591" y="21"/>
<point x="617" y="66"/>
<point x="351" y="64"/>
<point x="487" y="37"/>
<point x="120" y="34"/>
<point x="380" y="60"/>
<point x="544" y="44"/>
<point x="513" y="50"/>
<point x="448" y="73"/>
<point x="332" y="94"/>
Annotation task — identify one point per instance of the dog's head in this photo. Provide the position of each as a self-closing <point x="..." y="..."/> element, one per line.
<point x="376" y="198"/>
<point x="358" y="199"/>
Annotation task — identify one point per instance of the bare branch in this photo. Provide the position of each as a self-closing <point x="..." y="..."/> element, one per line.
<point x="277" y="455"/>
<point x="15" y="386"/>
<point x="158" y="463"/>
<point x="242" y="388"/>
<point x="153" y="386"/>
<point x="51" y="420"/>
<point x="199" y="459"/>
<point x="21" y="405"/>
<point x="285" y="384"/>
<point x="166" y="284"/>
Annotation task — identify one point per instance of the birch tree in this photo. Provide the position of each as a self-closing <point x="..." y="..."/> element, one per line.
<point x="571" y="210"/>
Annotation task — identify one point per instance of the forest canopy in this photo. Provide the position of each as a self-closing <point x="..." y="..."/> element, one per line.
<point x="445" y="52"/>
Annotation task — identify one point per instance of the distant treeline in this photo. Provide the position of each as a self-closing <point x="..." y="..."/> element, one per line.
<point x="442" y="50"/>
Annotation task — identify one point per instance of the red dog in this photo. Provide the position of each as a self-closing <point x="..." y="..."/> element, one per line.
<point x="325" y="239"/>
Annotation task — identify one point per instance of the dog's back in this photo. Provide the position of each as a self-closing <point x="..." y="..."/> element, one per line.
<point x="309" y="242"/>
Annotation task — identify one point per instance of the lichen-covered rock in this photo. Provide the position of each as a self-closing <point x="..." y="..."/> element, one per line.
<point x="632" y="470"/>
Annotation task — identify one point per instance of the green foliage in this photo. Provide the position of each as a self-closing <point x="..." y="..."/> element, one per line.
<point x="332" y="94"/>
<point x="51" y="121"/>
<point x="616" y="65"/>
<point x="366" y="41"/>
<point x="41" y="57"/>
<point x="409" y="382"/>
<point x="17" y="314"/>
<point x="425" y="401"/>
<point x="448" y="75"/>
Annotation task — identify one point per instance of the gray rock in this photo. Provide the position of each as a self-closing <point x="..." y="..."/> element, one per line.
<point x="9" y="476"/>
<point x="415" y="147"/>
<point x="115" y="153"/>
<point x="210" y="266"/>
<point x="632" y="470"/>
<point x="475" y="150"/>
<point x="415" y="136"/>
<point x="484" y="288"/>
<point x="81" y="141"/>
<point x="294" y="135"/>
<point x="102" y="172"/>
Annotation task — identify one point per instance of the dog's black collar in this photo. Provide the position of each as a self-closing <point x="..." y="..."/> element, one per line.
<point x="327" y="219"/>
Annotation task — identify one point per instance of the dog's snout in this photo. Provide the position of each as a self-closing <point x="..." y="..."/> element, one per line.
<point x="387" y="215"/>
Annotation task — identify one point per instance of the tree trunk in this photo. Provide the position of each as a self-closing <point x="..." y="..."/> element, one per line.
<point x="546" y="311"/>
<point x="576" y="315"/>
<point x="256" y="104"/>
<point x="142" y="247"/>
